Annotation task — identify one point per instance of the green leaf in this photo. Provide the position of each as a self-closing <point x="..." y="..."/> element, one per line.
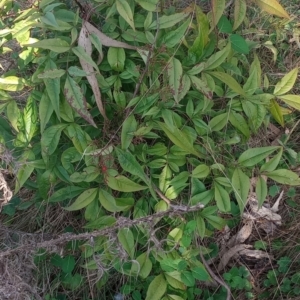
<point x="108" y="201"/>
<point x="276" y="112"/>
<point x="200" y="273"/>
<point x="168" y="21"/>
<point x="217" y="123"/>
<point x="65" y="193"/>
<point x="179" y="139"/>
<point x="75" y="71"/>
<point x="200" y="171"/>
<point x="25" y="170"/>
<point x="240" y="8"/>
<point x="54" y="73"/>
<point x="201" y="226"/>
<point x="252" y="156"/>
<point x="241" y="188"/>
<point x="291" y="100"/>
<point x="123" y="184"/>
<point x="149" y="5"/>
<point x="224" y="25"/>
<point x="286" y="83"/>
<point x="128" y="129"/>
<point x="261" y="190"/>
<point x="80" y="52"/>
<point x="76" y="99"/>
<point x="13" y="114"/>
<point x="144" y="266"/>
<point x="50" y="138"/>
<point x="45" y="111"/>
<point x="230" y="81"/>
<point x="175" y="73"/>
<point x="238" y="121"/>
<point x="44" y="183"/>
<point x="187" y="278"/>
<point x="174" y="280"/>
<point x="157" y="288"/>
<point x="255" y="113"/>
<point x="97" y="43"/>
<point x="218" y="58"/>
<point x="239" y="44"/>
<point x="125" y="11"/>
<point x="284" y="177"/>
<point x="83" y="200"/>
<point x="203" y="31"/>
<point x="116" y="58"/>
<point x="272" y="164"/>
<point x="222" y="198"/>
<point x="130" y="164"/>
<point x="57" y="45"/>
<point x="126" y="239"/>
<point x="12" y="83"/>
<point x="174" y="37"/>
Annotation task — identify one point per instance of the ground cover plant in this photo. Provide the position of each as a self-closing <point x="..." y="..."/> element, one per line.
<point x="141" y="149"/>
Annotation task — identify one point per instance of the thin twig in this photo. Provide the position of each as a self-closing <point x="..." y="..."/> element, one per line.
<point x="215" y="277"/>
<point x="120" y="223"/>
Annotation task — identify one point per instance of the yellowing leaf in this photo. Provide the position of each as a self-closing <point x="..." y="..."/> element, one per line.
<point x="286" y="83"/>
<point x="230" y="81"/>
<point x="276" y="112"/>
<point x="12" y="83"/>
<point x="218" y="7"/>
<point x="157" y="288"/>
<point x="240" y="7"/>
<point x="291" y="100"/>
<point x="272" y="7"/>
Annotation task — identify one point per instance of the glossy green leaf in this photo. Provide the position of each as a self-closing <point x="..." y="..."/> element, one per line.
<point x="224" y="25"/>
<point x="222" y="198"/>
<point x="284" y="176"/>
<point x="168" y="21"/>
<point x="272" y="164"/>
<point x="123" y="184"/>
<point x="218" y="58"/>
<point x="286" y="83"/>
<point x="116" y="58"/>
<point x="253" y="156"/>
<point x="240" y="8"/>
<point x="83" y="199"/>
<point x="241" y="188"/>
<point x="57" y="45"/>
<point x="128" y="129"/>
<point x="201" y="171"/>
<point x="125" y="11"/>
<point x="12" y="83"/>
<point x="157" y="288"/>
<point x="239" y="122"/>
<point x="291" y="100"/>
<point x="76" y="99"/>
<point x="239" y="44"/>
<point x="179" y="139"/>
<point x="149" y="5"/>
<point x="230" y="81"/>
<point x="261" y="190"/>
<point x="143" y="266"/>
<point x="174" y="74"/>
<point x="276" y="111"/>
<point x="126" y="239"/>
